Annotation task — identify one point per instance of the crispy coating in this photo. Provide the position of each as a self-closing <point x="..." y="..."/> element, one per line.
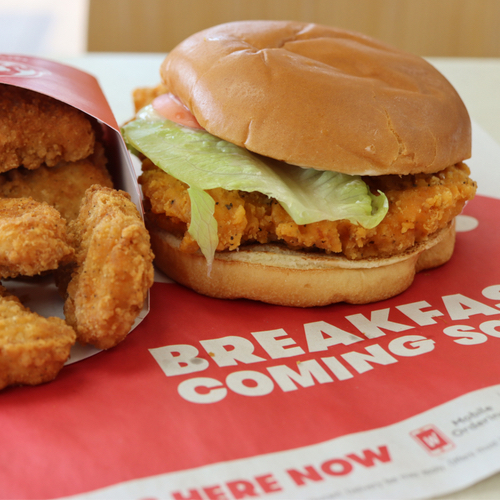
<point x="419" y="205"/>
<point x="113" y="271"/>
<point x="33" y="349"/>
<point x="36" y="129"/>
<point x="144" y="95"/>
<point x="62" y="186"/>
<point x="33" y="238"/>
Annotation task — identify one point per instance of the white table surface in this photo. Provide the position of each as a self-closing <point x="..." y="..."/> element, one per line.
<point x="476" y="80"/>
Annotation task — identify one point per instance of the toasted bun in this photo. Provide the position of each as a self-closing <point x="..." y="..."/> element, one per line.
<point x="276" y="275"/>
<point x="320" y="97"/>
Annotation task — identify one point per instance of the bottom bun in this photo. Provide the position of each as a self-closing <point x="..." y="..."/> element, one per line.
<point x="278" y="275"/>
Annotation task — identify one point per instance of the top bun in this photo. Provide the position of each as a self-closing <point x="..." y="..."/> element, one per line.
<point x="320" y="97"/>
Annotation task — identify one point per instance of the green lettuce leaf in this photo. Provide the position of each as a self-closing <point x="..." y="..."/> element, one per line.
<point x="203" y="161"/>
<point x="203" y="226"/>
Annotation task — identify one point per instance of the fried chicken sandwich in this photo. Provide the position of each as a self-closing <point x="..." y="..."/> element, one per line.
<point x="299" y="164"/>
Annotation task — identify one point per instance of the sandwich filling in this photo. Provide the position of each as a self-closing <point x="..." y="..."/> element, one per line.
<point x="217" y="196"/>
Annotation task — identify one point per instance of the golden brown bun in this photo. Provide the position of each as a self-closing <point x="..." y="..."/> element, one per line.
<point x="320" y="97"/>
<point x="272" y="274"/>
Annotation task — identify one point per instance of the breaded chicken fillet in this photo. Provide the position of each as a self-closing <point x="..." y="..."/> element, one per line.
<point x="33" y="238"/>
<point x="36" y="129"/>
<point x="33" y="349"/>
<point x="113" y="271"/>
<point x="62" y="186"/>
<point x="419" y="205"/>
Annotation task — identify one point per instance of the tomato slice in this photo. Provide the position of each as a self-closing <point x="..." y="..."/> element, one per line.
<point x="168" y="106"/>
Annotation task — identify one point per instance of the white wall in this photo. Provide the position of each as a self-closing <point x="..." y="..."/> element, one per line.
<point x="43" y="27"/>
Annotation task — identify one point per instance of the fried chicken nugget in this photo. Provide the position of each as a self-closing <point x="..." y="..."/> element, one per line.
<point x="62" y="186"/>
<point x="36" y="129"/>
<point x="113" y="270"/>
<point x="33" y="349"/>
<point x="33" y="238"/>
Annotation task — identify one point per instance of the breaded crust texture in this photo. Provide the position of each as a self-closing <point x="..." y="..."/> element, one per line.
<point x="36" y="129"/>
<point x="62" y="186"/>
<point x="113" y="270"/>
<point x="32" y="349"/>
<point x="33" y="238"/>
<point x="419" y="206"/>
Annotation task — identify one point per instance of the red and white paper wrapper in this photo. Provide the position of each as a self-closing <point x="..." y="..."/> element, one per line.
<point x="213" y="399"/>
<point x="210" y="399"/>
<point x="82" y="91"/>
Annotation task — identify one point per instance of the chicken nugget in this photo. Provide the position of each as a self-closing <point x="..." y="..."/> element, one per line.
<point x="33" y="238"/>
<point x="113" y="269"/>
<point x="36" y="129"/>
<point x="33" y="349"/>
<point x="62" y="186"/>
